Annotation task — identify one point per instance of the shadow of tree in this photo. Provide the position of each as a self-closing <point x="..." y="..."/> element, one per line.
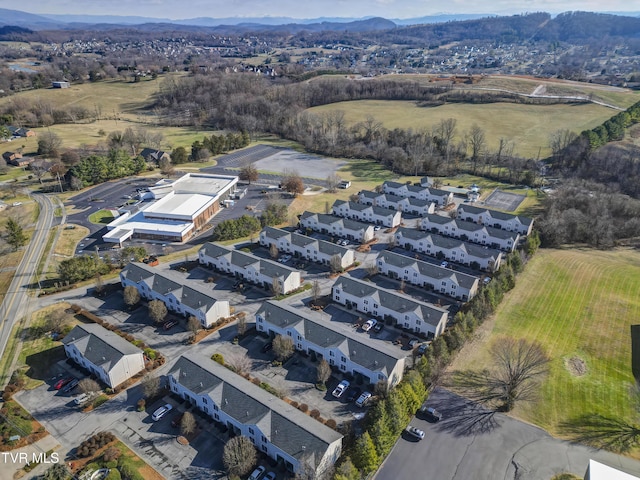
<point x="602" y="432"/>
<point x="462" y="417"/>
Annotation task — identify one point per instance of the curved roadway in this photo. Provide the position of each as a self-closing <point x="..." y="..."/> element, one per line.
<point x="16" y="300"/>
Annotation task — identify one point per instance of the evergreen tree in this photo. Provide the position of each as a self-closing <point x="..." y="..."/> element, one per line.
<point x="15" y="234"/>
<point x="379" y="429"/>
<point x="365" y="457"/>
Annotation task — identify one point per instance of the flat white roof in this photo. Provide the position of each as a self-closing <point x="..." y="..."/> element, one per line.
<point x="202" y="183"/>
<point x="139" y="224"/>
<point x="600" y="471"/>
<point x="185" y="206"/>
<point x="117" y="235"/>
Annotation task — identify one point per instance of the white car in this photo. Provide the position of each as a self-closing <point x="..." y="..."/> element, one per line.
<point x="444" y="264"/>
<point x="415" y="432"/>
<point x="369" y="324"/>
<point x="161" y="412"/>
<point x="376" y="227"/>
<point x="284" y="258"/>
<point x="344" y="242"/>
<point x="255" y="475"/>
<point x="80" y="399"/>
<point x="363" y="399"/>
<point x="340" y="389"/>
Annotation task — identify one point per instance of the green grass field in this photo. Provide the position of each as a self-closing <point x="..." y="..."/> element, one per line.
<point x="528" y="126"/>
<point x="101" y="216"/>
<point x="578" y="303"/>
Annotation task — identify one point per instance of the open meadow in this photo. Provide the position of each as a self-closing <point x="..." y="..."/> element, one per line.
<point x="529" y="127"/>
<point x="579" y="304"/>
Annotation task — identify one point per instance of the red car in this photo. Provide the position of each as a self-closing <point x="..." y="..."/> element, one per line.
<point x="62" y="382"/>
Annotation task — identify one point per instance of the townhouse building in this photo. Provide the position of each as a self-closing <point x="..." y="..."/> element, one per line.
<point x="388" y="305"/>
<point x="347" y="351"/>
<point x="302" y="246"/>
<point x="107" y="355"/>
<point x="493" y="218"/>
<point x="180" y="295"/>
<point x="441" y="198"/>
<point x="250" y="268"/>
<point x="337" y="226"/>
<point x="367" y="213"/>
<point x="449" y="248"/>
<point x="291" y="438"/>
<point x="471" y="232"/>
<point x="440" y="279"/>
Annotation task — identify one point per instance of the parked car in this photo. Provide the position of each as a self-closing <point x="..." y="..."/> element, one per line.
<point x="255" y="475"/>
<point x="363" y="399"/>
<point x="267" y="346"/>
<point x="71" y="385"/>
<point x="270" y="476"/>
<point x="378" y="327"/>
<point x="376" y="228"/>
<point x="430" y="413"/>
<point x="422" y="349"/>
<point x="344" y="242"/>
<point x="486" y="280"/>
<point x="413" y="342"/>
<point x="444" y="264"/>
<point x="80" y="399"/>
<point x="369" y="324"/>
<point x="62" y="382"/>
<point x="353" y="393"/>
<point x="284" y="258"/>
<point x="340" y="389"/>
<point x="161" y="412"/>
<point x="169" y="325"/>
<point x="415" y="432"/>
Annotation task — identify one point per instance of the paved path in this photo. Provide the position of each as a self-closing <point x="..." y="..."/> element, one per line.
<point x="15" y="305"/>
<point x="473" y="443"/>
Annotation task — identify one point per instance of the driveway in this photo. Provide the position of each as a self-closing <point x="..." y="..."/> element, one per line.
<point x="473" y="443"/>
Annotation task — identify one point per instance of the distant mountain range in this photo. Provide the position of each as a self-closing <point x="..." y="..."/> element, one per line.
<point x="61" y="21"/>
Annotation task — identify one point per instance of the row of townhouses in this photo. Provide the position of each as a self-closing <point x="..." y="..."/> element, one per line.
<point x="410" y="205"/>
<point x="402" y="310"/>
<point x="293" y="439"/>
<point x="107" y="355"/>
<point x="302" y="246"/>
<point x="496" y="219"/>
<point x="452" y="249"/>
<point x="252" y="269"/>
<point x="440" y="279"/>
<point x="337" y="226"/>
<point x="441" y="198"/>
<point x="471" y="232"/>
<point x="345" y="350"/>
<point x="367" y="213"/>
<point x="168" y="286"/>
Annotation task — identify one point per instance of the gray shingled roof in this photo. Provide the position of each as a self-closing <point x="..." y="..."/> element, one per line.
<point x="325" y="219"/>
<point x="471" y="226"/>
<point x="395" y="301"/>
<point x="394" y="184"/>
<point x="301" y="240"/>
<point x="432" y="271"/>
<point x="449" y="243"/>
<point x="98" y="345"/>
<point x="360" y="207"/>
<point x="317" y="330"/>
<point x="195" y="296"/>
<point x="496" y="214"/>
<point x="243" y="259"/>
<point x="286" y="427"/>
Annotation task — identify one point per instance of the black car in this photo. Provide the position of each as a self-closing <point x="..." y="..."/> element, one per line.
<point x="422" y="349"/>
<point x="353" y="394"/>
<point x="71" y="385"/>
<point x="378" y="327"/>
<point x="430" y="413"/>
<point x="267" y="346"/>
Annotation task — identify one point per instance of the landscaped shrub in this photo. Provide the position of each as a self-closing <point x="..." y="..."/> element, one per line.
<point x="314" y="413"/>
<point x="255" y="381"/>
<point x="150" y="353"/>
<point x="141" y="404"/>
<point x="331" y="423"/>
<point x="217" y="357"/>
<point x="128" y="470"/>
<point x="111" y="453"/>
<point x="303" y="407"/>
<point x="100" y="400"/>
<point x="114" y="474"/>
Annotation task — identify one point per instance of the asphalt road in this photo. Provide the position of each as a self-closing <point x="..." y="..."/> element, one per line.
<point x="16" y="301"/>
<point x="473" y="443"/>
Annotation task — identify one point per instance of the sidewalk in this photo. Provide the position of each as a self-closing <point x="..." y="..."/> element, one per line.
<point x="9" y="468"/>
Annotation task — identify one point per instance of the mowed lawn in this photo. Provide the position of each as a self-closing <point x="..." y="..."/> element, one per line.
<point x="528" y="126"/>
<point x="578" y="304"/>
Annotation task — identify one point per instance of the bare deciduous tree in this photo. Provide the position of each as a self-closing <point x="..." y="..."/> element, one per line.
<point x="335" y="262"/>
<point x="273" y="251"/>
<point x="187" y="423"/>
<point x="282" y="347"/>
<point x="276" y="288"/>
<point x="56" y="320"/>
<point x="157" y="310"/>
<point x="315" y="290"/>
<point x="86" y="385"/>
<point x="323" y="371"/>
<point x="517" y="367"/>
<point x="371" y="269"/>
<point x="241" y="325"/>
<point x="239" y="456"/>
<point x="241" y="364"/>
<point x="150" y="386"/>
<point x="333" y="181"/>
<point x="248" y="174"/>
<point x="194" y="325"/>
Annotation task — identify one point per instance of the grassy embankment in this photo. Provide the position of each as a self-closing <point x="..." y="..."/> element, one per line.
<point x="579" y="304"/>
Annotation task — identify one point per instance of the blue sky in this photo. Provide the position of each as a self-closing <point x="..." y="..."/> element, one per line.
<point x="179" y="9"/>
